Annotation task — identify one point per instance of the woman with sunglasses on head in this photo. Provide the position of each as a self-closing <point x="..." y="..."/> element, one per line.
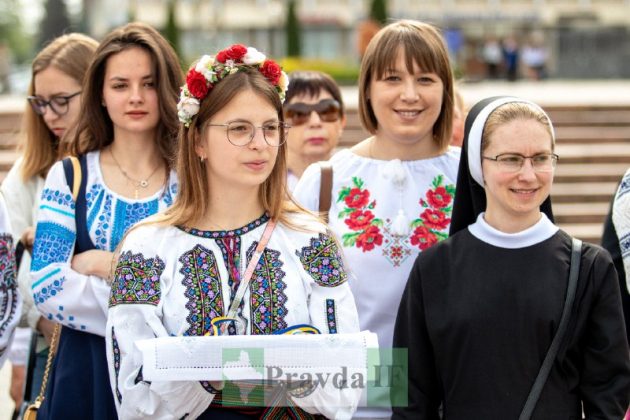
<point x="314" y="110"/>
<point x="125" y="141"/>
<point x="230" y="231"/>
<point x="481" y="310"/>
<point x="53" y="108"/>
<point x="392" y="193"/>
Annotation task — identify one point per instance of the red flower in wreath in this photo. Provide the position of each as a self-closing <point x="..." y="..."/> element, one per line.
<point x="235" y="53"/>
<point x="359" y="219"/>
<point x="423" y="238"/>
<point x="438" y="198"/>
<point x="435" y="219"/>
<point x="272" y="71"/>
<point x="370" y="238"/>
<point x="357" y="199"/>
<point x="197" y="84"/>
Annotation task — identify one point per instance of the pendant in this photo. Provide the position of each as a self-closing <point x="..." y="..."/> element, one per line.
<point x="144" y="183"/>
<point x="135" y="194"/>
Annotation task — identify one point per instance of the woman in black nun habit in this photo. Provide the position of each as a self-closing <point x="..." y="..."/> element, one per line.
<point x="481" y="309"/>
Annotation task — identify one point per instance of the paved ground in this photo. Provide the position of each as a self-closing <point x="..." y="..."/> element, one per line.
<point x="551" y="92"/>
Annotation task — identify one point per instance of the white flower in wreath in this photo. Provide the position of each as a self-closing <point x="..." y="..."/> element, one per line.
<point x="283" y="84"/>
<point x="187" y="108"/>
<point x="204" y="66"/>
<point x="253" y="57"/>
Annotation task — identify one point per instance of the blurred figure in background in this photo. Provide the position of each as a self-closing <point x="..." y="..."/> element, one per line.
<point x="54" y="103"/>
<point x="314" y="110"/>
<point x="511" y="58"/>
<point x="492" y="57"/>
<point x="459" y="118"/>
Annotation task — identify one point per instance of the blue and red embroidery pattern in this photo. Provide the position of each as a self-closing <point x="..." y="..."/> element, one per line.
<point x="116" y="352"/>
<point x="267" y="300"/>
<point x="203" y="289"/>
<point x="137" y="280"/>
<point x="331" y="316"/>
<point x="323" y="262"/>
<point x="9" y="285"/>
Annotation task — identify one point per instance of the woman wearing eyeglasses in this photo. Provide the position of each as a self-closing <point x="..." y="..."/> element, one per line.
<point x="230" y="231"/>
<point x="125" y="141"/>
<point x="53" y="107"/>
<point x="392" y="193"/>
<point x="314" y="110"/>
<point x="481" y="310"/>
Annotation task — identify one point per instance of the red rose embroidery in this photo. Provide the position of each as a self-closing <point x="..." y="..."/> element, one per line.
<point x="423" y="238"/>
<point x="435" y="219"/>
<point x="197" y="84"/>
<point x="357" y="199"/>
<point x="438" y="198"/>
<point x="272" y="71"/>
<point x="359" y="219"/>
<point x="370" y="238"/>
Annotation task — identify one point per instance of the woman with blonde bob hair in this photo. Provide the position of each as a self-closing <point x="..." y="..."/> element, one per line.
<point x="232" y="256"/>
<point x="48" y="122"/>
<point x="125" y="139"/>
<point x="392" y="193"/>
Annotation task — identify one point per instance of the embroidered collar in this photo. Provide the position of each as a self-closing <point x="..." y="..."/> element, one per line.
<point x="541" y="231"/>
<point x="226" y="233"/>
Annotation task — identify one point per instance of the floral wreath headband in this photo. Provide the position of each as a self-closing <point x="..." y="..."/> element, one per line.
<point x="210" y="70"/>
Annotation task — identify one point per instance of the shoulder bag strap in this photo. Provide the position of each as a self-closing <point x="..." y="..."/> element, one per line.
<point x="543" y="374"/>
<point x="325" y="189"/>
<point x="72" y="166"/>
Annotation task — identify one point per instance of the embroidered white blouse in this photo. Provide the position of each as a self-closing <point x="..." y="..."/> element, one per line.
<point x="385" y="213"/>
<point x="10" y="301"/>
<point x="76" y="300"/>
<point x="173" y="281"/>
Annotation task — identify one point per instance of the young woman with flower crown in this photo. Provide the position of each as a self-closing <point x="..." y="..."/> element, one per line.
<point x="125" y="139"/>
<point x="392" y="194"/>
<point x="178" y="273"/>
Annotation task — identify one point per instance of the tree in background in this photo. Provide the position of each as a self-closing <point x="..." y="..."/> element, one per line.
<point x="171" y="32"/>
<point x="294" y="47"/>
<point x="12" y="34"/>
<point x="55" y="21"/>
<point x="378" y="11"/>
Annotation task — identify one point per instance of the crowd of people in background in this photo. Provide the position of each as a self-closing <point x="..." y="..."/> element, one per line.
<point x="153" y="203"/>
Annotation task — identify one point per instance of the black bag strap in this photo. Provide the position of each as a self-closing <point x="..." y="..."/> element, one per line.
<point x="78" y="166"/>
<point x="543" y="374"/>
<point x="325" y="189"/>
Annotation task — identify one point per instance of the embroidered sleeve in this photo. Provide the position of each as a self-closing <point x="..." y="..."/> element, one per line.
<point x="135" y="313"/>
<point x="621" y="221"/>
<point x="10" y="302"/>
<point x="332" y="310"/>
<point x="60" y="293"/>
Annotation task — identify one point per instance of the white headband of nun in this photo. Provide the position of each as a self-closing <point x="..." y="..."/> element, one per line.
<point x="476" y="131"/>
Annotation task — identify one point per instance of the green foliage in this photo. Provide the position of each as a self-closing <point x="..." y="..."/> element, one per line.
<point x="12" y="33"/>
<point x="171" y="32"/>
<point x="378" y="11"/>
<point x="345" y="72"/>
<point x="294" y="45"/>
<point x="55" y="22"/>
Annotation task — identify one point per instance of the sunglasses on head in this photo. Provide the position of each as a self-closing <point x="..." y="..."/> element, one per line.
<point x="329" y="110"/>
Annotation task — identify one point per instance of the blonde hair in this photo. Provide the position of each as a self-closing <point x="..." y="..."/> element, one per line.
<point x="70" y="54"/>
<point x="515" y="111"/>
<point x="421" y="44"/>
<point x="192" y="201"/>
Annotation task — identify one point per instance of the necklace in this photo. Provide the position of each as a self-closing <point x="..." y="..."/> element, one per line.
<point x="143" y="183"/>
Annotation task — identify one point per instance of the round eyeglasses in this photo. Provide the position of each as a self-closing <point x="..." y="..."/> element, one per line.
<point x="329" y="110"/>
<point x="513" y="162"/>
<point x="241" y="133"/>
<point x="58" y="104"/>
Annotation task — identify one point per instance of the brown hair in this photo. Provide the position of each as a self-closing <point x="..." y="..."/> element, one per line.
<point x="421" y="44"/>
<point x="311" y="83"/>
<point x="70" y="54"/>
<point x="514" y="111"/>
<point x="95" y="129"/>
<point x="192" y="202"/>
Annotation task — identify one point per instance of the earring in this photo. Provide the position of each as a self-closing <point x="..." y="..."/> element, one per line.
<point x="201" y="159"/>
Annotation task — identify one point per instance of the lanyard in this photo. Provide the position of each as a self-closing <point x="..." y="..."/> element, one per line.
<point x="242" y="287"/>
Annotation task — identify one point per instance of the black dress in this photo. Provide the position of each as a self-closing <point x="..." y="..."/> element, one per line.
<point x="478" y="319"/>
